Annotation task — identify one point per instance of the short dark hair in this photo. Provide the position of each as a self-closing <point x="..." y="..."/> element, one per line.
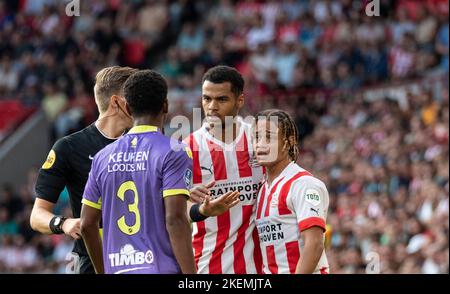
<point x="145" y="92"/>
<point x="222" y="74"/>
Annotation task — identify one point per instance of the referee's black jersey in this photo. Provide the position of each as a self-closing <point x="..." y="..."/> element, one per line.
<point x="68" y="164"/>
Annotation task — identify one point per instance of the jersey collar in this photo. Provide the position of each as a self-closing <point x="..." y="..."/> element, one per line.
<point x="240" y="132"/>
<point x="104" y="135"/>
<point x="282" y="175"/>
<point x="143" y="129"/>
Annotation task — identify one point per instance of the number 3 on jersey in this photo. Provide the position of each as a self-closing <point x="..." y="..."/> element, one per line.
<point x="133" y="208"/>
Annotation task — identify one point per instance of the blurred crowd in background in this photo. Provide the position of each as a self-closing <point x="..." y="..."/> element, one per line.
<point x="385" y="161"/>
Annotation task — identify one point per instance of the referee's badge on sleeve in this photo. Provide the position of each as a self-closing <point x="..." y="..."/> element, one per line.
<point x="51" y="158"/>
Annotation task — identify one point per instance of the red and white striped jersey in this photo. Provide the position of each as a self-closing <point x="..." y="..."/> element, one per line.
<point x="227" y="243"/>
<point x="293" y="203"/>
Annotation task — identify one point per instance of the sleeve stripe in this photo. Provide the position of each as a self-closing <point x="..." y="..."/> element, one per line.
<point x="312" y="222"/>
<point x="173" y="192"/>
<point x="91" y="204"/>
<point x="189" y="152"/>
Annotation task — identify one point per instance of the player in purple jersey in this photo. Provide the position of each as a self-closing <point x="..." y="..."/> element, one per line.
<point x="139" y="186"/>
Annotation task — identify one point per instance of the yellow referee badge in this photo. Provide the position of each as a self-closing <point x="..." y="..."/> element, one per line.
<point x="51" y="158"/>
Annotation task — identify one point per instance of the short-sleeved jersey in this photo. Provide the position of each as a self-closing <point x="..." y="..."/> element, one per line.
<point x="295" y="201"/>
<point x="227" y="243"/>
<point x="128" y="182"/>
<point x="68" y="165"/>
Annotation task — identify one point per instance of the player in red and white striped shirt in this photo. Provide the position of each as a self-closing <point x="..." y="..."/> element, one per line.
<point x="223" y="162"/>
<point x="292" y="204"/>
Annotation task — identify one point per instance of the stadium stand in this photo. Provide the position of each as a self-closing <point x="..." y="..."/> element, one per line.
<point x="12" y="113"/>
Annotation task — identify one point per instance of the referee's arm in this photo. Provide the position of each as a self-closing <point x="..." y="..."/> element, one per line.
<point x="50" y="182"/>
<point x="42" y="216"/>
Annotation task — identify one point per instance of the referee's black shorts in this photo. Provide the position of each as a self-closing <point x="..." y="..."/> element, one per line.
<point x="79" y="264"/>
<point x="86" y="266"/>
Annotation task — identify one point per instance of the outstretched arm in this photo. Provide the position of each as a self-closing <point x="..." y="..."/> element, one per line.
<point x="199" y="192"/>
<point x="213" y="207"/>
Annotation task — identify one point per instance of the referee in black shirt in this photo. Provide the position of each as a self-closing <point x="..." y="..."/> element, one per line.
<point x="69" y="162"/>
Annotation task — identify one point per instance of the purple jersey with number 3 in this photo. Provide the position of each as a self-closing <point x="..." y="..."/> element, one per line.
<point x="128" y="182"/>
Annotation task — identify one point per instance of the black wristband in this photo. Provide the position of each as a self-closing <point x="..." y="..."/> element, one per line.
<point x="56" y="223"/>
<point x="195" y="214"/>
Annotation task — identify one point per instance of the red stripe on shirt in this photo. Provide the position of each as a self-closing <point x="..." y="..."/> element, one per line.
<point x="243" y="158"/>
<point x="293" y="255"/>
<point x="238" y="247"/>
<point x="223" y="231"/>
<point x="197" y="243"/>
<point x="261" y="202"/>
<point x="271" y="260"/>
<point x="269" y="199"/>
<point x="218" y="159"/>
<point x="282" y="205"/>
<point x="257" y="255"/>
<point x="197" y="178"/>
